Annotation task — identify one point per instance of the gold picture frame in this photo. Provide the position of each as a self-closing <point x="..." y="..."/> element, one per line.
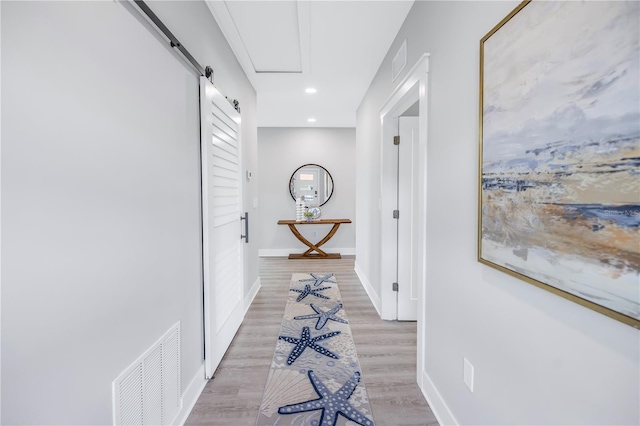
<point x="559" y="152"/>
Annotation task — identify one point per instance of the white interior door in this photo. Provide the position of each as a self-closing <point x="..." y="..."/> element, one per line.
<point x="408" y="238"/>
<point x="221" y="211"/>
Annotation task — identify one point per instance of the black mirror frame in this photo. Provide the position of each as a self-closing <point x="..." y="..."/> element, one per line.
<point x="311" y="164"/>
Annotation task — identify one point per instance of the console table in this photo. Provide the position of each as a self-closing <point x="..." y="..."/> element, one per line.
<point x="314" y="247"/>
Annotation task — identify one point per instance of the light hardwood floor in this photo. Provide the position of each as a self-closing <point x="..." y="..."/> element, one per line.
<point x="386" y="351"/>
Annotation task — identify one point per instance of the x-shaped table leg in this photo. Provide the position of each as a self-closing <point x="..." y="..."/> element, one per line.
<point x="314" y="247"/>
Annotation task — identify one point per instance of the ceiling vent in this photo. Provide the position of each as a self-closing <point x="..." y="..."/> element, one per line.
<point x="399" y="61"/>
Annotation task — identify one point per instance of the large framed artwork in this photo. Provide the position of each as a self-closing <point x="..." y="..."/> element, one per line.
<point x="559" y="184"/>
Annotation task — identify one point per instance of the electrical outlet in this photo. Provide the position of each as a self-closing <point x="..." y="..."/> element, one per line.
<point x="468" y="374"/>
<point x="315" y="233"/>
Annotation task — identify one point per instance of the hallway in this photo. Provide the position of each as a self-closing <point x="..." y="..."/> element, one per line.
<point x="386" y="350"/>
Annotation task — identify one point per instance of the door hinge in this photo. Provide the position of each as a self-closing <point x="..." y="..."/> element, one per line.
<point x="395" y="286"/>
<point x="396" y="214"/>
<point x="396" y="140"/>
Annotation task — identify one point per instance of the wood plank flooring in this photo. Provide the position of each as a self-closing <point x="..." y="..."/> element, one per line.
<point x="386" y="351"/>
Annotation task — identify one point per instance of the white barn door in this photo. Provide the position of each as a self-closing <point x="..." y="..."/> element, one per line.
<point x="221" y="227"/>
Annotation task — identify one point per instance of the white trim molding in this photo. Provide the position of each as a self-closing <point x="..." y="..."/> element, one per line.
<point x="375" y="300"/>
<point x="248" y="299"/>
<point x="437" y="404"/>
<point x="190" y="396"/>
<point x="414" y="87"/>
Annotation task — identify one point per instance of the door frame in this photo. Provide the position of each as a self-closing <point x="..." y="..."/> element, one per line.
<point x="413" y="88"/>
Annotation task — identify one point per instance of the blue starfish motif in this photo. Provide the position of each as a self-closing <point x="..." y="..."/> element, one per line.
<point x="306" y="341"/>
<point x="307" y="291"/>
<point x="323" y="316"/>
<point x="330" y="403"/>
<point x="319" y="279"/>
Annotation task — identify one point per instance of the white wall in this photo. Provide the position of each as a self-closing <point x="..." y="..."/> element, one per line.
<point x="281" y="152"/>
<point x="100" y="198"/>
<point x="192" y="23"/>
<point x="538" y="358"/>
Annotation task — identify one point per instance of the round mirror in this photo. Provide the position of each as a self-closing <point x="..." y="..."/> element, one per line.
<point x="313" y="183"/>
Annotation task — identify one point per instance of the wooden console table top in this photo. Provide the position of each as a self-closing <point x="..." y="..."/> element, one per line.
<point x="312" y="222"/>
<point x="314" y="247"/>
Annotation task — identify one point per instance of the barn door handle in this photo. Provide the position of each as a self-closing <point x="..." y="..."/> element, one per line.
<point x="246" y="227"/>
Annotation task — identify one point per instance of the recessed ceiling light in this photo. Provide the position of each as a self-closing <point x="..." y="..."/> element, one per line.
<point x="311" y="90"/>
<point x="311" y="120"/>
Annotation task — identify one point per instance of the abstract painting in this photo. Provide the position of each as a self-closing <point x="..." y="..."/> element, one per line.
<point x="559" y="185"/>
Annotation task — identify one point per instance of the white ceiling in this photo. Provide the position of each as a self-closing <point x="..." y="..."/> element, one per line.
<point x="286" y="46"/>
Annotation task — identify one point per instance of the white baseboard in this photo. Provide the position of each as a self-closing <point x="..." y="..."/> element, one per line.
<point x="348" y="251"/>
<point x="375" y="299"/>
<point x="198" y="382"/>
<point x="252" y="294"/>
<point x="190" y="396"/>
<point x="436" y="403"/>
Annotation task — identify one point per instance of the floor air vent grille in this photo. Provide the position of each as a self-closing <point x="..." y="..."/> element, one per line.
<point x="148" y="392"/>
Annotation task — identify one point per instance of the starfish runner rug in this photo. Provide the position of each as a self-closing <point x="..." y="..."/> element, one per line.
<point x="315" y="378"/>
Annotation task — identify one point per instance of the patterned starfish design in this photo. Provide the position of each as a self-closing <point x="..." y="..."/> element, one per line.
<point x="330" y="403"/>
<point x="306" y="341"/>
<point x="319" y="279"/>
<point x="307" y="291"/>
<point x="323" y="316"/>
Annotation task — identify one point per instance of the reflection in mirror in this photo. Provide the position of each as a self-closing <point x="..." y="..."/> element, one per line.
<point x="313" y="183"/>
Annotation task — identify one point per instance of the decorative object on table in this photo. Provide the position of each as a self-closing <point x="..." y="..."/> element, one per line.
<point x="313" y="183"/>
<point x="319" y="254"/>
<point x="315" y="377"/>
<point x="308" y="216"/>
<point x="559" y="152"/>
<point x="315" y="212"/>
<point x="300" y="209"/>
